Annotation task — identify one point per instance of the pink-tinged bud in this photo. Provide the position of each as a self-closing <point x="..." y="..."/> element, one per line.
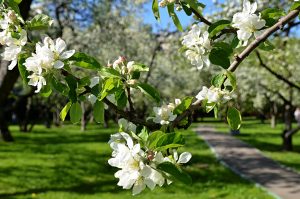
<point x="150" y="155"/>
<point x="119" y="61"/>
<point x="12" y="16"/>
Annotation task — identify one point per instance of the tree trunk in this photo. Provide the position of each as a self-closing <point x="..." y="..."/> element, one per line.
<point x="287" y="135"/>
<point x="7" y="81"/>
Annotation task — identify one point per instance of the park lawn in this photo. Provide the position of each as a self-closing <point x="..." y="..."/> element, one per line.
<point x="64" y="163"/>
<point x="265" y="138"/>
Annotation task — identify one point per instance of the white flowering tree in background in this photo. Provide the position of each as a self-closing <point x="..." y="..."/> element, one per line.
<point x="144" y="150"/>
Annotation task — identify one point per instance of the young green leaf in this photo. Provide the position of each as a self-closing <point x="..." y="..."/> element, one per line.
<point x="13" y="5"/>
<point x="65" y="111"/>
<point x="155" y="9"/>
<point x="172" y="14"/>
<point x="153" y="138"/>
<point x="99" y="112"/>
<point x="220" y="54"/>
<point x="170" y="140"/>
<point x="175" y="172"/>
<point x="109" y="72"/>
<point x="39" y="22"/>
<point x="234" y="118"/>
<point x="85" y="61"/>
<point x="232" y="79"/>
<point x="22" y="69"/>
<point x="149" y="91"/>
<point x="184" y="105"/>
<point x="121" y="98"/>
<point x="46" y="91"/>
<point x="272" y="15"/>
<point x="75" y="113"/>
<point x="217" y="27"/>
<point x="218" y="80"/>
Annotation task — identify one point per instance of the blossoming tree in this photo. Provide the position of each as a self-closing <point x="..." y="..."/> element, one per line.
<point x="145" y="151"/>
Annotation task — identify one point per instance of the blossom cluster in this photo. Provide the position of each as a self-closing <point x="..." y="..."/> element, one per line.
<point x="247" y="22"/>
<point x="213" y="95"/>
<point x="197" y="46"/>
<point x="123" y="66"/>
<point x="137" y="164"/>
<point x="12" y="36"/>
<point x="164" y="3"/>
<point x="164" y="114"/>
<point x="48" y="55"/>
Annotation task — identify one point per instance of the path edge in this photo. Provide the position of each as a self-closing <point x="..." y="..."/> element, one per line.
<point x="196" y="130"/>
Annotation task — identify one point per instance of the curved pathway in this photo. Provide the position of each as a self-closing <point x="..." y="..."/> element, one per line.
<point x="251" y="164"/>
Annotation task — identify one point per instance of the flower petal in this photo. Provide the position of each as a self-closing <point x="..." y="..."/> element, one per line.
<point x="67" y="54"/>
<point x="184" y="158"/>
<point x="58" y="64"/>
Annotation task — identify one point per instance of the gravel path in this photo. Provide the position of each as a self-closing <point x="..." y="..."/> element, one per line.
<point x="251" y="164"/>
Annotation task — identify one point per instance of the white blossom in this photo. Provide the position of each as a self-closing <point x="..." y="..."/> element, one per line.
<point x="127" y="126"/>
<point x="130" y="159"/>
<point x="198" y="47"/>
<point x="48" y="55"/>
<point x="213" y="95"/>
<point x="13" y="46"/>
<point x="247" y="22"/>
<point x="164" y="114"/>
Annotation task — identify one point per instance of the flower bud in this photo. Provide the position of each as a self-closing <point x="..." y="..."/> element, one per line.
<point x="150" y="155"/>
<point x="132" y="82"/>
<point x="12" y="16"/>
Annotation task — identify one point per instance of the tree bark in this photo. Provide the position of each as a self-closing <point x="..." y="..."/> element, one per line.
<point x="7" y="81"/>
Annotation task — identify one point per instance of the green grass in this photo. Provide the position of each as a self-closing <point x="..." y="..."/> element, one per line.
<point x="265" y="138"/>
<point x="64" y="163"/>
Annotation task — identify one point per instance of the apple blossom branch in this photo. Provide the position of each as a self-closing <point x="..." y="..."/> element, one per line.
<point x="242" y="56"/>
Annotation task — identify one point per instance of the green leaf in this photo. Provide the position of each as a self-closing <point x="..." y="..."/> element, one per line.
<point x="149" y="91"/>
<point x="121" y="98"/>
<point x="295" y="6"/>
<point x="17" y="1"/>
<point x="22" y="69"/>
<point x="172" y="14"/>
<point x="58" y="86"/>
<point x="72" y="83"/>
<point x="184" y="105"/>
<point x="217" y="27"/>
<point x="13" y="5"/>
<point x="85" y="81"/>
<point x="75" y="113"/>
<point x="155" y="9"/>
<point x="140" y="67"/>
<point x="194" y="4"/>
<point x="186" y="8"/>
<point x="234" y="118"/>
<point x="99" y="112"/>
<point x="170" y="140"/>
<point x="218" y="80"/>
<point x="232" y="79"/>
<point x="272" y="15"/>
<point x="109" y="72"/>
<point x="175" y="172"/>
<point x="65" y="111"/>
<point x="39" y="22"/>
<point x="220" y="54"/>
<point x="85" y="61"/>
<point x="266" y="46"/>
<point x="108" y="86"/>
<point x="46" y="91"/>
<point x="144" y="135"/>
<point x="153" y="138"/>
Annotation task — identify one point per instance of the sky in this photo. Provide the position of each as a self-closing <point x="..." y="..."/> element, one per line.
<point x="166" y="21"/>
